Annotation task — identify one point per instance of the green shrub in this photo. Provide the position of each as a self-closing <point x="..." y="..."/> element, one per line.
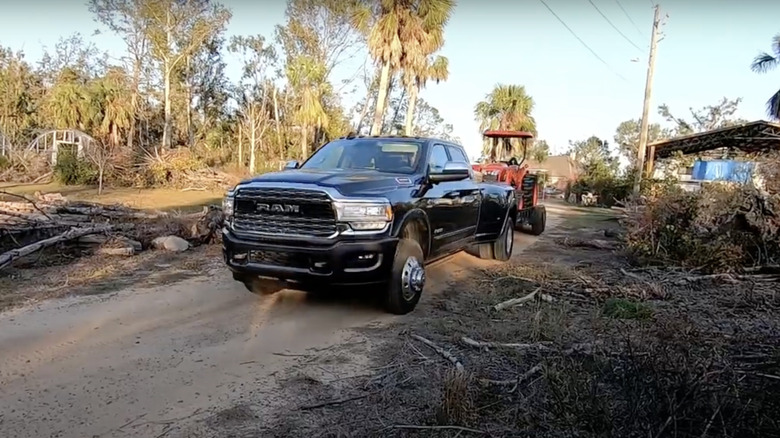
<point x="70" y="170"/>
<point x="5" y="163"/>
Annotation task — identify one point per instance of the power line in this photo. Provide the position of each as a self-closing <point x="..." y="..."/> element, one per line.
<point x="613" y="25"/>
<point x="582" y="42"/>
<point x="620" y="5"/>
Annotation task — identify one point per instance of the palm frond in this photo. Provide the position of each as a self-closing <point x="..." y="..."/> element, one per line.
<point x="773" y="106"/>
<point x="764" y="62"/>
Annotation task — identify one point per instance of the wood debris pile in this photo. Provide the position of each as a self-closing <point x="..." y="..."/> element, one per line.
<point x="28" y="225"/>
<point x="207" y="179"/>
<point x="721" y="228"/>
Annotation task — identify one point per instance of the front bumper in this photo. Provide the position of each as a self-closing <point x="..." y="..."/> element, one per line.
<point x="346" y="262"/>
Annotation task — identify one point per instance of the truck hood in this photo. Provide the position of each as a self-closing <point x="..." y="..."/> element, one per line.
<point x="347" y="183"/>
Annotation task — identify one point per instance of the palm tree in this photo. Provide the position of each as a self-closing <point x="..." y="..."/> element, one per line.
<point x="762" y="64"/>
<point x="436" y="70"/>
<point x="115" y="110"/>
<point x="403" y="37"/>
<point x="67" y="101"/>
<point x="423" y="29"/>
<point x="308" y="75"/>
<point x="386" y="47"/>
<point x="507" y="107"/>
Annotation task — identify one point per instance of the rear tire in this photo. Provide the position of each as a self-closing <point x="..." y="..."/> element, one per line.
<point x="407" y="278"/>
<point x="503" y="246"/>
<point x="538" y="220"/>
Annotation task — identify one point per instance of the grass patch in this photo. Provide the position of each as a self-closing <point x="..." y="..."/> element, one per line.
<point x="621" y="308"/>
<point x="166" y="199"/>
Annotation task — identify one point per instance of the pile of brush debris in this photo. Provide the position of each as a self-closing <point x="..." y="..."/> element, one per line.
<point x="31" y="224"/>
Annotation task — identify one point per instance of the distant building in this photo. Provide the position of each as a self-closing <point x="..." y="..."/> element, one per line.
<point x="560" y="170"/>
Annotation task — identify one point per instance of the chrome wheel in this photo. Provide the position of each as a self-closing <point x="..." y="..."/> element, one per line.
<point x="412" y="278"/>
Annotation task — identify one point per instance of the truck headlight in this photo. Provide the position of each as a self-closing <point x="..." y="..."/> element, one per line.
<point x="228" y="204"/>
<point x="364" y="215"/>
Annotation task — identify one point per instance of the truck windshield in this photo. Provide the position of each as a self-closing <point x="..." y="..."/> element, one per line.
<point x="390" y="155"/>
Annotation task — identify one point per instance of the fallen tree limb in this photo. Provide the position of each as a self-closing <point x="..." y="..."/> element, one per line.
<point x="594" y="244"/>
<point x="416" y="427"/>
<point x="7" y="258"/>
<point x="517" y="301"/>
<point x="446" y="354"/>
<point x="108" y="213"/>
<point x="480" y="344"/>
<point x="585" y="348"/>
<point x="730" y="278"/>
<point x="513" y="277"/>
<point x="520" y="379"/>
<point x="26" y="199"/>
<point x="334" y="402"/>
<point x="633" y="275"/>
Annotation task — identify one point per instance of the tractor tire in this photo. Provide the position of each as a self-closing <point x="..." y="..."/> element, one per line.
<point x="407" y="278"/>
<point x="538" y="220"/>
<point x="502" y="247"/>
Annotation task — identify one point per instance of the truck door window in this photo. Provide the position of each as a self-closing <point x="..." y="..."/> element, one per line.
<point x="457" y="154"/>
<point x="438" y="158"/>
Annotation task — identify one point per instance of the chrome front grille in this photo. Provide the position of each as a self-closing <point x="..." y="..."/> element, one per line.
<point x="283" y="212"/>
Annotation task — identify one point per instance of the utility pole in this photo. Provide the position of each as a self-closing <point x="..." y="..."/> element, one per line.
<point x="646" y="108"/>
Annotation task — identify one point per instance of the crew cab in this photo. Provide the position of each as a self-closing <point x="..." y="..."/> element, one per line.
<point x="365" y="211"/>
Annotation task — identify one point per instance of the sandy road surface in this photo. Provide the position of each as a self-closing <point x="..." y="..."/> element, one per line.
<point x="134" y="362"/>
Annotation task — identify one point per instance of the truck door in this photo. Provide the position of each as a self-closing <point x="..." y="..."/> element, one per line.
<point x="440" y="204"/>
<point x="468" y="198"/>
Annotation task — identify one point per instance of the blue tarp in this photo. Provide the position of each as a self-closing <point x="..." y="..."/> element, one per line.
<point x="723" y="170"/>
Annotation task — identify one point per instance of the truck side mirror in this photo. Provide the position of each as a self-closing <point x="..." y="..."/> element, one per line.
<point x="291" y="165"/>
<point x="452" y="171"/>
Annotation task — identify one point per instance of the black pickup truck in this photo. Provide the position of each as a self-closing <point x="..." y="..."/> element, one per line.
<point x="365" y="211"/>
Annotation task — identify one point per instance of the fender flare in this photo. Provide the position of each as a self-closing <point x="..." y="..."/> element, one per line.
<point x="511" y="205"/>
<point x="411" y="215"/>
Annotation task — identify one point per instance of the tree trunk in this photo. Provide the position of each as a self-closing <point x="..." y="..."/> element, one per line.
<point x="100" y="179"/>
<point x="409" y="128"/>
<point x="381" y="99"/>
<point x="276" y="118"/>
<point x="252" y="143"/>
<point x="398" y="107"/>
<point x="240" y="145"/>
<point x="366" y="104"/>
<point x="190" y="133"/>
<point x="363" y="112"/>
<point x="134" y="103"/>
<point x="74" y="233"/>
<point x="133" y="121"/>
<point x="166" y="139"/>
<point x="304" y="146"/>
<point x="318" y="134"/>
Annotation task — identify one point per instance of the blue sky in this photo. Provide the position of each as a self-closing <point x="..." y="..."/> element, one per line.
<point x="704" y="56"/>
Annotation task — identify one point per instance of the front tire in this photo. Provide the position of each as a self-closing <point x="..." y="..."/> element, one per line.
<point x="407" y="278"/>
<point x="503" y="246"/>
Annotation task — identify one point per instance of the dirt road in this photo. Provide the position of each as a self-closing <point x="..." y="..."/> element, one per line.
<point x="141" y="362"/>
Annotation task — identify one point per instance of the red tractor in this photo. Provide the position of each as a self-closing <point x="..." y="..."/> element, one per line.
<point x="527" y="185"/>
